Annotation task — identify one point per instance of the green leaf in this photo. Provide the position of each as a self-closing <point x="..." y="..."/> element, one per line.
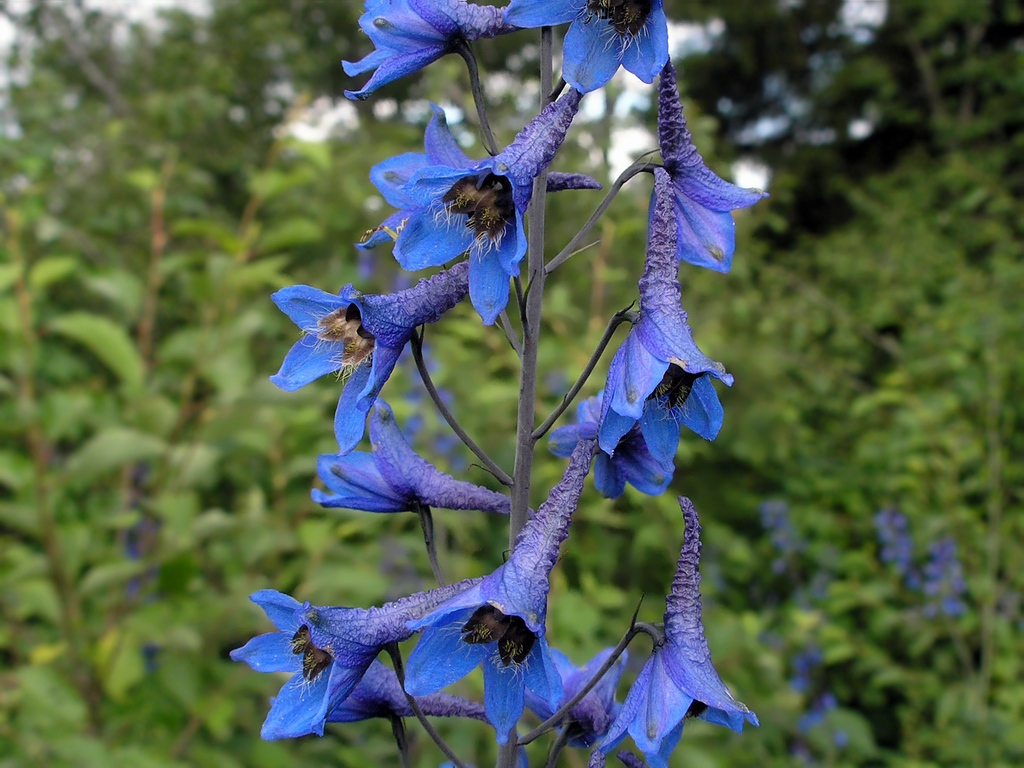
<point x="8" y="275"/>
<point x="108" y="341"/>
<point x="289" y="234"/>
<point x="110" y="575"/>
<point x="51" y="269"/>
<point x="111" y="449"/>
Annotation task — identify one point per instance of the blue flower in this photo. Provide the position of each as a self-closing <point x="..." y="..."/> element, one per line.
<point x="394" y="478"/>
<point x="379" y="694"/>
<point x="410" y="34"/>
<point x="678" y="682"/>
<point x="500" y="622"/>
<point x="631" y="463"/>
<point x="589" y="720"/>
<point x="327" y="650"/>
<point x="451" y="205"/>
<point x="704" y="202"/>
<point x="658" y="376"/>
<point x="628" y="759"/>
<point x="361" y="337"/>
<point x="602" y="35"/>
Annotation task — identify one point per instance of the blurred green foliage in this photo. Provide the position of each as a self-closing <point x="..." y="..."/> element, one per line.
<point x="158" y="182"/>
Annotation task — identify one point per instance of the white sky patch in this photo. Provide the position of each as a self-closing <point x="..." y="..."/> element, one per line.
<point x="860" y="128"/>
<point x="627" y="145"/>
<point x="323" y="119"/>
<point x="751" y="173"/>
<point x="686" y="39"/>
<point x="860" y="18"/>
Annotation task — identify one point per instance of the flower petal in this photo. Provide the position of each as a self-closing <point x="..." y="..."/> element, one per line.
<point x="504" y="695"/>
<point x="392" y="176"/>
<point x="541" y="13"/>
<point x="269" y="653"/>
<point x="305" y="306"/>
<point x="607" y="478"/>
<point x="592" y="54"/>
<point x="441" y="657"/>
<point x="356" y="483"/>
<point x="350" y="421"/>
<point x="645" y="53"/>
<point x="298" y="710"/>
<point x="279" y="607"/>
<point x="441" y="146"/>
<point x="488" y="286"/>
<point x="397" y="66"/>
<point x="307" y="360"/>
<point x="430" y="238"/>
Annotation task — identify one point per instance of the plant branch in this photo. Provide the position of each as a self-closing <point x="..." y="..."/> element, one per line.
<point x="398" y="730"/>
<point x="617" y="319"/>
<point x="396" y="659"/>
<point x="427" y="523"/>
<point x="488" y="462"/>
<point x="466" y="52"/>
<point x="553" y="721"/>
<point x="640" y="166"/>
<point x="510" y="334"/>
<point x="556" y="748"/>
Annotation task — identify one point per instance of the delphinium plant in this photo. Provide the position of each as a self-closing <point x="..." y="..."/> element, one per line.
<point x="481" y="221"/>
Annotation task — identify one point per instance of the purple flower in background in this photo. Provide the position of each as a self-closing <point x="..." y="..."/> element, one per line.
<point x="658" y="376"/>
<point x="704" y="202"/>
<point x="410" y="34"/>
<point x="631" y="463"/>
<point x="327" y="650"/>
<point x="678" y="682"/>
<point x="500" y="623"/>
<point x="457" y="205"/>
<point x="360" y="337"/>
<point x="944" y="585"/>
<point x="602" y="35"/>
<point x="588" y="721"/>
<point x="394" y="478"/>
<point x="378" y="694"/>
<point x="897" y="545"/>
<point x="784" y="535"/>
<point x="628" y="759"/>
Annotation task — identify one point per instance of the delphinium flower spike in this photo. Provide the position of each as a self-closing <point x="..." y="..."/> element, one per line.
<point x="410" y="34"/>
<point x="679" y="681"/>
<point x="360" y="337"/>
<point x="328" y="650"/>
<point x="602" y="35"/>
<point x="457" y="205"/>
<point x="394" y="478"/>
<point x="501" y="621"/>
<point x="590" y="719"/>
<point x="704" y="202"/>
<point x="658" y="376"/>
<point x="632" y="461"/>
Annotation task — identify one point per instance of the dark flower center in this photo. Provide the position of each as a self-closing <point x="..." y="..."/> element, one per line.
<point x="314" y="660"/>
<point x="696" y="709"/>
<point x="487" y="202"/>
<point x="627" y="16"/>
<point x="488" y="625"/>
<point x="675" y="385"/>
<point x="345" y="325"/>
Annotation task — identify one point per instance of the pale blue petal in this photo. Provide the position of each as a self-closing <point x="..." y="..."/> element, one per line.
<point x="279" y="607"/>
<point x="441" y="657"/>
<point x="504" y="695"/>
<point x="349" y="421"/>
<point x="298" y="710"/>
<point x="431" y="238"/>
<point x="645" y="55"/>
<point x="441" y="146"/>
<point x="488" y="286"/>
<point x="393" y="175"/>
<point x="542" y="13"/>
<point x="592" y="54"/>
<point x="269" y="653"/>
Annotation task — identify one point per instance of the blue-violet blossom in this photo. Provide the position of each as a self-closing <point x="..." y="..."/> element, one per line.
<point x="379" y="694"/>
<point x="394" y="478"/>
<point x="457" y="205"/>
<point x="328" y="650"/>
<point x="658" y="376"/>
<point x="501" y="621"/>
<point x="678" y="682"/>
<point x="410" y="34"/>
<point x="631" y="463"/>
<point x="589" y="720"/>
<point x="361" y="337"/>
<point x="704" y="202"/>
<point x="602" y="35"/>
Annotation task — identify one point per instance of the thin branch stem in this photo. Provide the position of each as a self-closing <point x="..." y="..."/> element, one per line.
<point x="532" y="305"/>
<point x="640" y="166"/>
<point x="553" y="721"/>
<point x="396" y="659"/>
<point x="398" y="730"/>
<point x="617" y="319"/>
<point x="520" y="297"/>
<point x="557" y="90"/>
<point x="556" y="748"/>
<point x="157" y="246"/>
<point x="466" y="52"/>
<point x="494" y="469"/>
<point x="427" y="523"/>
<point x="510" y="334"/>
